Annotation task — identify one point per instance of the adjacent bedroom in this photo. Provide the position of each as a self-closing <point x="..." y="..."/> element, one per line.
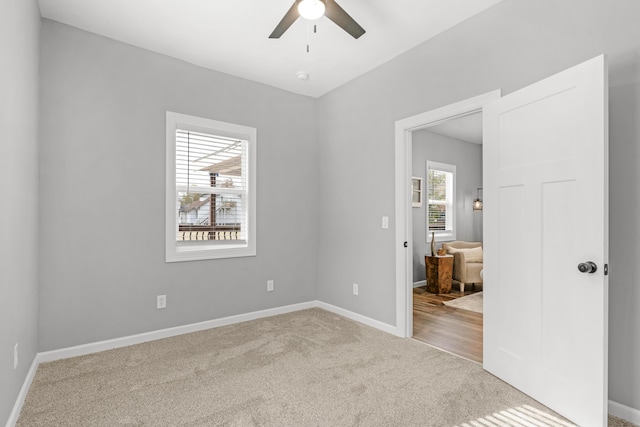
<point x="447" y="236"/>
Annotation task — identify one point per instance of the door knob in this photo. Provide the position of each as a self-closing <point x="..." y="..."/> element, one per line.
<point x="587" y="267"/>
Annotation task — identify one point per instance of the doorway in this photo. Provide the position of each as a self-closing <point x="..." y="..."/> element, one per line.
<point x="545" y="143"/>
<point x="404" y="223"/>
<point x="447" y="158"/>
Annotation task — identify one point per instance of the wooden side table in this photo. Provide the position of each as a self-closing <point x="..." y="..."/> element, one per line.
<point x="439" y="272"/>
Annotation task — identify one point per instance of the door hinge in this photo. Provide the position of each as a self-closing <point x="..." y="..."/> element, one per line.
<point x="406" y="244"/>
<point x="606" y="269"/>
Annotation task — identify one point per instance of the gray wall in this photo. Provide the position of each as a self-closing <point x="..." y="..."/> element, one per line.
<point x="102" y="157"/>
<point x="467" y="158"/>
<point x="19" y="43"/>
<point x="515" y="43"/>
<point x="102" y="154"/>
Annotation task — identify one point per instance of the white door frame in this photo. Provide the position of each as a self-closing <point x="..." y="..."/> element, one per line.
<point x="404" y="251"/>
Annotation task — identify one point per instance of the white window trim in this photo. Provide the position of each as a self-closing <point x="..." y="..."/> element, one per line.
<point x="442" y="235"/>
<point x="200" y="250"/>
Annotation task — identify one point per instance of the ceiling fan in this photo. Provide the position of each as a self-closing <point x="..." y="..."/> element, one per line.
<point x="314" y="9"/>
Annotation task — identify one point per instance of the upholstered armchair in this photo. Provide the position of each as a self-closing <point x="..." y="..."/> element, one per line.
<point x="467" y="261"/>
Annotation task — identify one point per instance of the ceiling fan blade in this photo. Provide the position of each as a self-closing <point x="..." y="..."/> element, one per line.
<point x="288" y="19"/>
<point x="343" y="19"/>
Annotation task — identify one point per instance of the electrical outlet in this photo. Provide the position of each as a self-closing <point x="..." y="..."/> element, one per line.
<point x="15" y="356"/>
<point x="161" y="301"/>
<point x="355" y="289"/>
<point x="269" y="285"/>
<point x="385" y="222"/>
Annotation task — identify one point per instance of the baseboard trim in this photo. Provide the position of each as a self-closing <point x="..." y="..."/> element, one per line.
<point x="420" y="283"/>
<point x="625" y="412"/>
<point x="81" y="350"/>
<point x="385" y="327"/>
<point x="22" y="395"/>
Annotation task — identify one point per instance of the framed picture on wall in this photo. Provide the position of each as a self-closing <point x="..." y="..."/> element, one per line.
<point x="416" y="192"/>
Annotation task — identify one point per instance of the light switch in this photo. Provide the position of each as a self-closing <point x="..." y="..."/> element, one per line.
<point x="385" y="222"/>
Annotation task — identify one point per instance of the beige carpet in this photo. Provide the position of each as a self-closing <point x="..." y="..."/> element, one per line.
<point x="309" y="368"/>
<point x="471" y="302"/>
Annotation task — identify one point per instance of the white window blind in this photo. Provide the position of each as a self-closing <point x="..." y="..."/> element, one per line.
<point x="211" y="185"/>
<point x="441" y="197"/>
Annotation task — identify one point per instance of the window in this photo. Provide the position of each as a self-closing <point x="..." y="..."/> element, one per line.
<point x="416" y="192"/>
<point x="441" y="194"/>
<point x="210" y="189"/>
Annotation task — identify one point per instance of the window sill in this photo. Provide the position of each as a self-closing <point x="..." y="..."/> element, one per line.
<point x="197" y="253"/>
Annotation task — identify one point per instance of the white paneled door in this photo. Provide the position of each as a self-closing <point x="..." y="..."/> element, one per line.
<point x="546" y="216"/>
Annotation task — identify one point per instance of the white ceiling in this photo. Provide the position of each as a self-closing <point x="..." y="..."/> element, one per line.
<point x="466" y="128"/>
<point x="231" y="36"/>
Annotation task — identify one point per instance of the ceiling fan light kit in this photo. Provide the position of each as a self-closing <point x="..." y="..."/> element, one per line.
<point x="311" y="9"/>
<point x="314" y="9"/>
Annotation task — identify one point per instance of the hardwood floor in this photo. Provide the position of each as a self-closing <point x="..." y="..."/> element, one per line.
<point x="454" y="330"/>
